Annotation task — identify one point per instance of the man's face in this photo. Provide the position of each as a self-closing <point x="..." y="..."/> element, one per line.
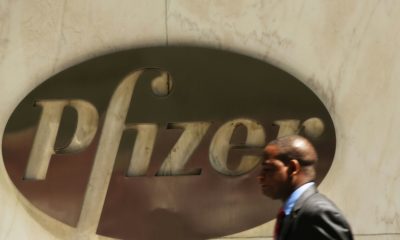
<point x="274" y="176"/>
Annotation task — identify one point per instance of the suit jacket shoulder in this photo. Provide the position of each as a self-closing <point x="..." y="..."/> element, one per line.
<point x="314" y="216"/>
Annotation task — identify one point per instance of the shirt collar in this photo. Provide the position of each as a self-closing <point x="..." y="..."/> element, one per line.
<point x="289" y="204"/>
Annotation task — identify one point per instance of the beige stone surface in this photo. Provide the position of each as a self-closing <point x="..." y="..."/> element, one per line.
<point x="346" y="51"/>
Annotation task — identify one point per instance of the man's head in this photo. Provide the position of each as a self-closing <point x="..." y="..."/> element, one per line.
<point x="288" y="163"/>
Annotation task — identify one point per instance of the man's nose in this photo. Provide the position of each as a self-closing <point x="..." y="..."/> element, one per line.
<point x="260" y="178"/>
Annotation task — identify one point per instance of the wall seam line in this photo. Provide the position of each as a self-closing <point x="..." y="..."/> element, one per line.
<point x="166" y="21"/>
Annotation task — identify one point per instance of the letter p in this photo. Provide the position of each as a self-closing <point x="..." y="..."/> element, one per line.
<point x="46" y="133"/>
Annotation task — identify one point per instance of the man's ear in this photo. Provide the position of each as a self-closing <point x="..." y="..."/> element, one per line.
<point x="294" y="167"/>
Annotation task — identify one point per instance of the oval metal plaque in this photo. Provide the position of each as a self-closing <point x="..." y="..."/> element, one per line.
<point x="159" y="143"/>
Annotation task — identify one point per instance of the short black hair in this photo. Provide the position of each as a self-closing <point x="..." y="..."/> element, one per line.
<point x="299" y="148"/>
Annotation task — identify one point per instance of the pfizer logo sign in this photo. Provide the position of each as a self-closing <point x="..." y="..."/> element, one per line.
<point x="159" y="143"/>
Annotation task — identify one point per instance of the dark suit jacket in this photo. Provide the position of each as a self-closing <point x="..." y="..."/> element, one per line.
<point x="315" y="217"/>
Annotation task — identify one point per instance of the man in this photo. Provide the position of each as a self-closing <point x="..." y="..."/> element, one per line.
<point x="288" y="172"/>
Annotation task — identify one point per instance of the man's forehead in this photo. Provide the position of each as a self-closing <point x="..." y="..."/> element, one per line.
<point x="271" y="150"/>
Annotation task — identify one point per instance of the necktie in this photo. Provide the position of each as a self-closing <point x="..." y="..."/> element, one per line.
<point x="278" y="224"/>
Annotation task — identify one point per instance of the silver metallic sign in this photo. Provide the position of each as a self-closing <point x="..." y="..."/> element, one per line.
<point x="159" y="143"/>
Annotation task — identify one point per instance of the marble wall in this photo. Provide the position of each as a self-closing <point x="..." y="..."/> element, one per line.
<point x="346" y="51"/>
